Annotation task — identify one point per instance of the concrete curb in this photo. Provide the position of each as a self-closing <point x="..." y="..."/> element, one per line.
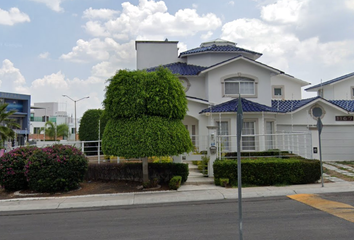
<point x="186" y="193"/>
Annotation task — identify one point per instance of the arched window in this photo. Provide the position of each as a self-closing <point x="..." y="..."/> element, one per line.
<point x="239" y="85"/>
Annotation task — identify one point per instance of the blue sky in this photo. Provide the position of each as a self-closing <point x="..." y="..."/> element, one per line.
<point x="54" y="47"/>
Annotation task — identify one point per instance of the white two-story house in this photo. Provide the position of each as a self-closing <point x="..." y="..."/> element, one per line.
<point x="214" y="75"/>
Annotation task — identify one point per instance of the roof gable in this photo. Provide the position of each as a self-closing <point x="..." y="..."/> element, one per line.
<point x="232" y="105"/>
<point x="296" y="105"/>
<point x="332" y="81"/>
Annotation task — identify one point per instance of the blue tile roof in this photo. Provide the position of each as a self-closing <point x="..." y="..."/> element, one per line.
<point x="347" y="105"/>
<point x="331" y="81"/>
<point x="241" y="56"/>
<point x="291" y="105"/>
<point x="215" y="48"/>
<point x="181" y="68"/>
<point x="247" y="106"/>
<point x="278" y="106"/>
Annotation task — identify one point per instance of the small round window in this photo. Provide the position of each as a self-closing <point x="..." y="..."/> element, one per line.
<point x="317" y="112"/>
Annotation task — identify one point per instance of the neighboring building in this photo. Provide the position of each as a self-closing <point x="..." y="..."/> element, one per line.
<point x="21" y="103"/>
<point x="49" y="111"/>
<point x="214" y="75"/>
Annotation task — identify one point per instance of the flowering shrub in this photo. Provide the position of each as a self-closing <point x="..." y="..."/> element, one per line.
<point x="11" y="168"/>
<point x="56" y="168"/>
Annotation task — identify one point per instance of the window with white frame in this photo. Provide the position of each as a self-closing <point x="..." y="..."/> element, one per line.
<point x="239" y="85"/>
<point x="278" y="91"/>
<point x="352" y="92"/>
<point x="248" y="137"/>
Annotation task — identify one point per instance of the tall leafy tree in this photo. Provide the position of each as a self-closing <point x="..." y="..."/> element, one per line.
<point x="144" y="112"/>
<point x="88" y="130"/>
<point x="7" y="124"/>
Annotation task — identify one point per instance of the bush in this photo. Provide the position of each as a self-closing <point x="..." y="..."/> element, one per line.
<point x="133" y="171"/>
<point x="269" y="171"/>
<point x="175" y="182"/>
<point x="224" y="182"/>
<point x="163" y="159"/>
<point x="56" y="168"/>
<point x="12" y="165"/>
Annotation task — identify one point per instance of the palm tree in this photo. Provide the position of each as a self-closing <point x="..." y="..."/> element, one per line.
<point x="7" y="124"/>
<point x="53" y="131"/>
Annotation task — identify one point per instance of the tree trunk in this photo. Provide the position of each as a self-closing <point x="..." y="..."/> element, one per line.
<point x="145" y="170"/>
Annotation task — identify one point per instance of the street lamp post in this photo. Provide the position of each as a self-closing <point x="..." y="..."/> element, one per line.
<point x="75" y="110"/>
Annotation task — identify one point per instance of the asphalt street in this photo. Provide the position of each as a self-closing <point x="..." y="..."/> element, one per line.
<point x="264" y="218"/>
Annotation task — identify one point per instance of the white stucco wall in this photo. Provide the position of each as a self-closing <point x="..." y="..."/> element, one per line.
<point x="154" y="53"/>
<point x="292" y="89"/>
<point x="342" y="90"/>
<point x="197" y="87"/>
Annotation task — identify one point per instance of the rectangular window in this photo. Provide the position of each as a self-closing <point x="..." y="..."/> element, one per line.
<point x="277" y="91"/>
<point x="36" y="130"/>
<point x="239" y="85"/>
<point x="73" y="130"/>
<point x="193" y="134"/>
<point x="248" y="138"/>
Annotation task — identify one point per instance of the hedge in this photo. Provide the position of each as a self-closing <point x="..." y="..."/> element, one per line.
<point x="133" y="171"/>
<point x="269" y="171"/>
<point x="145" y="136"/>
<point x="257" y="154"/>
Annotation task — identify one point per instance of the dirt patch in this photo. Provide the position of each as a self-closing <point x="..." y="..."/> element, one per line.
<point x="87" y="188"/>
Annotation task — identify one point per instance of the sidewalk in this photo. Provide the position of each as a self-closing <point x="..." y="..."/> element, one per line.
<point x="197" y="188"/>
<point x="185" y="193"/>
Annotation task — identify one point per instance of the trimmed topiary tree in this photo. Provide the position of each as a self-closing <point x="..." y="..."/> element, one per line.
<point x="56" y="168"/>
<point x="145" y="112"/>
<point x="12" y="165"/>
<point x="88" y="130"/>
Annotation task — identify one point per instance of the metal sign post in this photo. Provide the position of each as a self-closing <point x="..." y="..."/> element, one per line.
<point x="239" y="183"/>
<point x="319" y="128"/>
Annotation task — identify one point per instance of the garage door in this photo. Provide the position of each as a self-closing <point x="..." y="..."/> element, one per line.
<point x="337" y="143"/>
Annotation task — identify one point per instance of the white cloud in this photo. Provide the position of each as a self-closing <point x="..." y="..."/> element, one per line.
<point x="52" y="4"/>
<point x="150" y="19"/>
<point x="100" y="50"/>
<point x="53" y="86"/>
<point x="231" y="3"/>
<point x="194" y="5"/>
<point x="349" y="4"/>
<point x="11" y="78"/>
<point x="44" y="55"/>
<point x="283" y="11"/>
<point x="13" y="16"/>
<point x="85" y="51"/>
<point x="102" y="13"/>
<point x="207" y="35"/>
